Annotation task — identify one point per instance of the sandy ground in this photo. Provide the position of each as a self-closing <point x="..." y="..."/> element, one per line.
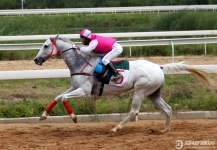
<point x="199" y="134"/>
<point x="59" y="63"/>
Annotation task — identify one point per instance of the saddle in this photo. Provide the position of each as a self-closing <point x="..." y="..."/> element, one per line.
<point x="102" y="74"/>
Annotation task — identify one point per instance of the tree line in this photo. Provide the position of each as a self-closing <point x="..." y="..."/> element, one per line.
<point x="41" y="4"/>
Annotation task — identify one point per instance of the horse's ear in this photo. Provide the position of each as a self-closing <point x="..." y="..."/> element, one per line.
<point x="54" y="39"/>
<point x="51" y="39"/>
<point x="57" y="36"/>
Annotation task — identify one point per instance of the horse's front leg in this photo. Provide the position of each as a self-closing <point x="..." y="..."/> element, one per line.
<point x="73" y="94"/>
<point x="53" y="103"/>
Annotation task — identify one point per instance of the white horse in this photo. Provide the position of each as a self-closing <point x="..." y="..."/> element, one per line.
<point x="146" y="78"/>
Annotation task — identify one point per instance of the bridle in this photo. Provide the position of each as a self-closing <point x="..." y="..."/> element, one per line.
<point x="59" y="52"/>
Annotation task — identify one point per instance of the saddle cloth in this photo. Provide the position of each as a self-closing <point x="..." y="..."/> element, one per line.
<point x="102" y="74"/>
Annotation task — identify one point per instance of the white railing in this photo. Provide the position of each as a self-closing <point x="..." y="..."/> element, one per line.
<point x="116" y="35"/>
<point x="61" y="73"/>
<point x="65" y="73"/>
<point x="124" y="43"/>
<point x="107" y="10"/>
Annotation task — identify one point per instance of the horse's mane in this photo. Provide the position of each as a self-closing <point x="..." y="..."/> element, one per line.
<point x="69" y="41"/>
<point x="66" y="40"/>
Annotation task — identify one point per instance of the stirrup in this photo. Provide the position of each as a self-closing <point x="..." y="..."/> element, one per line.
<point x="114" y="79"/>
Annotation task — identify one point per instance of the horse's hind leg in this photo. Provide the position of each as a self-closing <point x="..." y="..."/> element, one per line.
<point x="161" y="104"/>
<point x="136" y="103"/>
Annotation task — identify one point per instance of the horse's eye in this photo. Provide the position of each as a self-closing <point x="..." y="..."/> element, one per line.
<point x="45" y="46"/>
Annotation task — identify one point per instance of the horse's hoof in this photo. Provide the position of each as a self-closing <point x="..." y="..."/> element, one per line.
<point x="74" y="117"/>
<point x="42" y="118"/>
<point x="151" y="131"/>
<point x="165" y="130"/>
<point x="112" y="132"/>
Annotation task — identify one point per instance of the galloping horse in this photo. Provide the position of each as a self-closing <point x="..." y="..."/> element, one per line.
<point x="146" y="78"/>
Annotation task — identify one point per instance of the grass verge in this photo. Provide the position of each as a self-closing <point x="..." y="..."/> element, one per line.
<point x="181" y="92"/>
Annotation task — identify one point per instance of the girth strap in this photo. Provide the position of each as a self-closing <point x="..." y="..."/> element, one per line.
<point x="101" y="89"/>
<point x="82" y="73"/>
<point x="88" y="74"/>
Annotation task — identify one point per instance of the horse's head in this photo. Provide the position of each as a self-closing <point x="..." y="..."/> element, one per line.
<point x="48" y="50"/>
<point x="53" y="47"/>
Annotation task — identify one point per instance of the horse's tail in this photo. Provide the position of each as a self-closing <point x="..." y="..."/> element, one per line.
<point x="203" y="75"/>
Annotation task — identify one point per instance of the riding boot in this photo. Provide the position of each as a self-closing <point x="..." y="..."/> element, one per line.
<point x="114" y="72"/>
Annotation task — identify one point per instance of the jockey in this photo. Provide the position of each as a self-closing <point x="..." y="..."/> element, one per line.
<point x="101" y="45"/>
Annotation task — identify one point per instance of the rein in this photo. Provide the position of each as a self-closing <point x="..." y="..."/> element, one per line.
<point x="78" y="53"/>
<point x="59" y="52"/>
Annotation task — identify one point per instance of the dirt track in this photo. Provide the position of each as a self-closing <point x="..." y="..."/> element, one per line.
<point x="93" y="136"/>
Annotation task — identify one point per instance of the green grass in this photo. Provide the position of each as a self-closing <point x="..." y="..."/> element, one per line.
<point x="186" y="20"/>
<point x="64" y="24"/>
<point x="26" y="98"/>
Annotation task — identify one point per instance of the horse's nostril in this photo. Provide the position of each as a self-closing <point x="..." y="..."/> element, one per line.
<point x="35" y="60"/>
